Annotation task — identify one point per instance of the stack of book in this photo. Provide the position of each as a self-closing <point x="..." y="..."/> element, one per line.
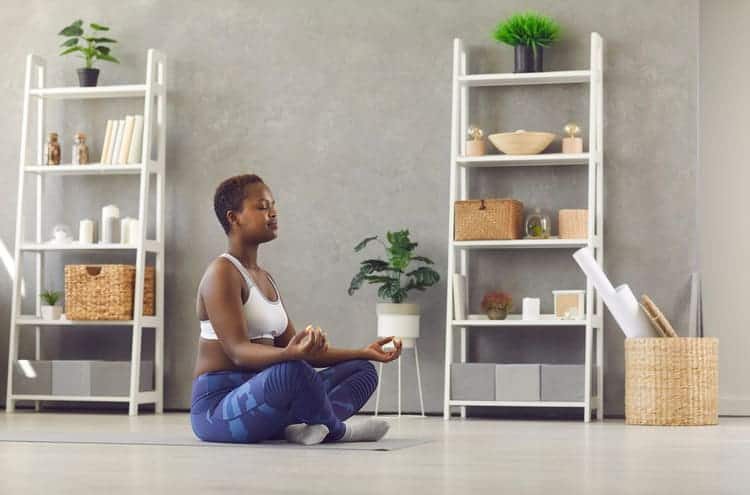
<point x="122" y="141"/>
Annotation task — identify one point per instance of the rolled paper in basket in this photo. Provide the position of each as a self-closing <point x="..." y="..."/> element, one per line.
<point x="628" y="324"/>
<point x="630" y="306"/>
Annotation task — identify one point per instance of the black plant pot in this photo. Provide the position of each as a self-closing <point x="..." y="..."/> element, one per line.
<point x="525" y="61"/>
<point x="88" y="77"/>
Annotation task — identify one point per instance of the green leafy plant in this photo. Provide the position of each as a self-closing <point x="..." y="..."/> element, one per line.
<point x="92" y="46"/>
<point x="389" y="272"/>
<point x="528" y="28"/>
<point x="50" y="297"/>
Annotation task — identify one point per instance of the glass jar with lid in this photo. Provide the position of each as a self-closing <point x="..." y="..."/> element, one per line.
<point x="538" y="225"/>
<point x="80" y="149"/>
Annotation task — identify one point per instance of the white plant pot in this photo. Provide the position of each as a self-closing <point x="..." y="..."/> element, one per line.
<point x="51" y="312"/>
<point x="400" y="320"/>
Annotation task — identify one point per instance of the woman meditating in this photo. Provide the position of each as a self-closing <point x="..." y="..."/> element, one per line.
<point x="255" y="376"/>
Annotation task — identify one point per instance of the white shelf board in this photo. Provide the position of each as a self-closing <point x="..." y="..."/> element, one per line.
<point x="526" y="78"/>
<point x="537" y="403"/>
<point x="524" y="160"/>
<point x="31" y="320"/>
<point x="516" y="321"/>
<point x="523" y="244"/>
<point x="90" y="169"/>
<point x="74" y="92"/>
<point x="149" y="245"/>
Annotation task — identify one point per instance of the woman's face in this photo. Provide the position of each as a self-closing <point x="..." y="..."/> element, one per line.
<point x="256" y="222"/>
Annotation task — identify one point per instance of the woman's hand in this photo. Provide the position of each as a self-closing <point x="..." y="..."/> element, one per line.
<point x="375" y="352"/>
<point x="310" y="343"/>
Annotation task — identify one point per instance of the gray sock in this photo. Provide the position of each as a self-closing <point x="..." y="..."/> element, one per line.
<point x="369" y="430"/>
<point x="305" y="434"/>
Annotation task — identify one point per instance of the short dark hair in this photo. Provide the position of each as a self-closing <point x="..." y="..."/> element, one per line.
<point x="230" y="194"/>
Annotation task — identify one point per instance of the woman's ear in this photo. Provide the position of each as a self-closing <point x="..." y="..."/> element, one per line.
<point x="231" y="218"/>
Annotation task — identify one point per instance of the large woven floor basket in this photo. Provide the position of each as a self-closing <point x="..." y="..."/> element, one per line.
<point x="488" y="219"/>
<point x="105" y="292"/>
<point x="672" y="381"/>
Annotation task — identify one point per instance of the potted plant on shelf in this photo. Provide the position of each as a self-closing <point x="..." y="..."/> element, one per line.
<point x="50" y="310"/>
<point x="528" y="33"/>
<point x="396" y="317"/>
<point x="92" y="47"/>
<point x="497" y="304"/>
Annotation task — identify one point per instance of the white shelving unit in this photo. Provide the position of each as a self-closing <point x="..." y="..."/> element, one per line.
<point x="154" y="95"/>
<point x="459" y="175"/>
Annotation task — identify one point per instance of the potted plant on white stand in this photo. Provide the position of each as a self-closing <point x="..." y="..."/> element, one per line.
<point x="396" y="317"/>
<point x="50" y="310"/>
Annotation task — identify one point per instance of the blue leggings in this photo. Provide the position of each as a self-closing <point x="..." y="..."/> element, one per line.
<point x="251" y="406"/>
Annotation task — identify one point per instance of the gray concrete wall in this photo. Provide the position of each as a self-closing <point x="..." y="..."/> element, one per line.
<point x="344" y="109"/>
<point x="724" y="105"/>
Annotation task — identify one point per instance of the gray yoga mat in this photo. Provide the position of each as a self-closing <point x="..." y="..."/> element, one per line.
<point x="187" y="439"/>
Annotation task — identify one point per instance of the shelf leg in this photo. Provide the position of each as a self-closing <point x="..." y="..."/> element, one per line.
<point x="377" y="390"/>
<point x="399" y="387"/>
<point x="419" y="378"/>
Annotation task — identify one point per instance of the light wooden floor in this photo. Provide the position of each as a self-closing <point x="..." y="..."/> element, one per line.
<point x="465" y="456"/>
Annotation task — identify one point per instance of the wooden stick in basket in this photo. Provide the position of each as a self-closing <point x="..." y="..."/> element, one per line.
<point x="657" y="318"/>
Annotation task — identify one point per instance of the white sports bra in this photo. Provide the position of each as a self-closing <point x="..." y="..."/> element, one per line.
<point x="265" y="319"/>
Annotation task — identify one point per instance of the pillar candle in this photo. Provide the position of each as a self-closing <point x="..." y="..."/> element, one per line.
<point x="530" y="308"/>
<point x="109" y="214"/>
<point x="125" y="230"/>
<point x="86" y="231"/>
<point x="135" y="232"/>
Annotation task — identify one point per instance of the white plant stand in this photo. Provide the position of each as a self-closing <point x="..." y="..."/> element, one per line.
<point x="459" y="175"/>
<point x="154" y="94"/>
<point x="419" y="383"/>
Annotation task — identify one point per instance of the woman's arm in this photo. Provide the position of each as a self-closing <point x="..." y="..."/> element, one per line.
<point x="222" y="297"/>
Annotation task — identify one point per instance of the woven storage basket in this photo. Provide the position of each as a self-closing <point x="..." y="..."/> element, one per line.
<point x="105" y="292"/>
<point x="671" y="381"/>
<point x="573" y="224"/>
<point x="488" y="219"/>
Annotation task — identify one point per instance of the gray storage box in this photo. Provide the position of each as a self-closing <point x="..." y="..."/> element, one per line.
<point x="473" y="381"/>
<point x="517" y="382"/>
<point x="564" y="382"/>
<point x="71" y="377"/>
<point x="39" y="385"/>
<point x="113" y="377"/>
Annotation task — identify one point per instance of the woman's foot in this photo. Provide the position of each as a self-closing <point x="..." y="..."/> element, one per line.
<point x="369" y="430"/>
<point x="305" y="434"/>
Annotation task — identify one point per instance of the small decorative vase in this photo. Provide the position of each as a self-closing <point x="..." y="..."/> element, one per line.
<point x="88" y="77"/>
<point x="52" y="153"/>
<point x="525" y="61"/>
<point x="497" y="314"/>
<point x="51" y="312"/>
<point x="538" y="225"/>
<point x="80" y="149"/>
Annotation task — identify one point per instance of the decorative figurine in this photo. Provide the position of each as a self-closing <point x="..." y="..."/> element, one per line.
<point x="572" y="144"/>
<point x="80" y="149"/>
<point x="52" y="155"/>
<point x="475" y="145"/>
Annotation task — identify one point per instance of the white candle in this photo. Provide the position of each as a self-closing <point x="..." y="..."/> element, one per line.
<point x="86" y="231"/>
<point x="135" y="232"/>
<point x="109" y="214"/>
<point x="530" y="308"/>
<point x="125" y="230"/>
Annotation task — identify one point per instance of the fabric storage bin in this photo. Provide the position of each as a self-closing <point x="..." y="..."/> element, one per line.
<point x="71" y="377"/>
<point x="105" y="292"/>
<point x="565" y="382"/>
<point x="41" y="384"/>
<point x="473" y="381"/>
<point x="517" y="382"/>
<point x="573" y="224"/>
<point x="672" y="381"/>
<point x="113" y="377"/>
<point x="487" y="219"/>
